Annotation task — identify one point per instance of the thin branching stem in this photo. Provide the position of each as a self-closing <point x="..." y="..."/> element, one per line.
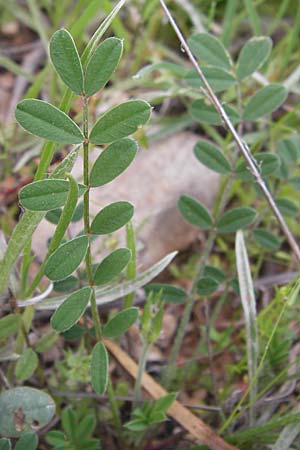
<point x="243" y="148"/>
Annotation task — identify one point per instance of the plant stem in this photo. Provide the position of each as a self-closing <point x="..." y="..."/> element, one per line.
<point x="86" y="216"/>
<point x="141" y="369"/>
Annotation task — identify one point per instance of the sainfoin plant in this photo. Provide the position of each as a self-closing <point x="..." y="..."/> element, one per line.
<point x="58" y="196"/>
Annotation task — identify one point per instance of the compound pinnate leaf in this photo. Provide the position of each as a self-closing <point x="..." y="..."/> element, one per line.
<point x="212" y="157"/>
<point x="218" y="79"/>
<point x="70" y="311"/>
<point x="9" y="325"/>
<point x="48" y="122"/>
<point x="194" y="212"/>
<point x="210" y="50"/>
<point x="102" y="65"/>
<point x="120" y="121"/>
<point x="120" y="323"/>
<point x="112" y="217"/>
<point x="253" y="55"/>
<point x="45" y="195"/>
<point x="99" y="368"/>
<point x="26" y="364"/>
<point x="66" y="258"/>
<point x="113" y="161"/>
<point x="236" y="219"/>
<point x="266" y="239"/>
<point x="28" y="441"/>
<point x="265" y="101"/>
<point x="169" y="292"/>
<point x="65" y="58"/>
<point x="204" y="113"/>
<point x="34" y="405"/>
<point x="112" y="266"/>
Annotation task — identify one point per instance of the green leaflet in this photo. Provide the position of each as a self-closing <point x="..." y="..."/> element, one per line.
<point x="113" y="161"/>
<point x="102" y="64"/>
<point x="266" y="239"/>
<point x="210" y="50"/>
<point x="268" y="163"/>
<point x="218" y="79"/>
<point x="45" y="195"/>
<point x="120" y="323"/>
<point x="169" y="292"/>
<point x="66" y="258"/>
<point x="70" y="311"/>
<point x="205" y="113"/>
<point x="112" y="266"/>
<point x="207" y="285"/>
<point x="9" y="325"/>
<point x="46" y="121"/>
<point x="209" y="155"/>
<point x="37" y="407"/>
<point x="120" y="121"/>
<point x="26" y="364"/>
<point x="265" y="101"/>
<point x="194" y="212"/>
<point x="236" y="219"/>
<point x="112" y="217"/>
<point x="253" y="55"/>
<point x="28" y="441"/>
<point x="99" y="368"/>
<point x="65" y="58"/>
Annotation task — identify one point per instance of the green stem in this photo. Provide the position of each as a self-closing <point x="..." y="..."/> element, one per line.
<point x="86" y="216"/>
<point x="114" y="405"/>
<point x="141" y="370"/>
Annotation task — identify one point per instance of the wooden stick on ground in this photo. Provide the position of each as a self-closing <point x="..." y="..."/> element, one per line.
<point x="195" y="426"/>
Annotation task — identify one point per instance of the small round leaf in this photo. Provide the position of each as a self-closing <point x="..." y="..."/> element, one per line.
<point x="120" y="121"/>
<point x="112" y="217"/>
<point x="194" y="212"/>
<point x="112" y="266"/>
<point x="265" y="101"/>
<point x="113" y="161"/>
<point x="65" y="58"/>
<point x="70" y="311"/>
<point x="212" y="157"/>
<point x="48" y="122"/>
<point x="66" y="258"/>
<point x="236" y="219"/>
<point x="23" y="408"/>
<point x="121" y="322"/>
<point x="99" y="368"/>
<point x="102" y="64"/>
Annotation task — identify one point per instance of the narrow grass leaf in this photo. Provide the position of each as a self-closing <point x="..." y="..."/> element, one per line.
<point x="65" y="58"/>
<point x="108" y="294"/>
<point x="99" y="368"/>
<point x="28" y="441"/>
<point x="121" y="322"/>
<point x="287" y="436"/>
<point x="194" y="212"/>
<point x="48" y="122"/>
<point x="37" y="407"/>
<point x="102" y="64"/>
<point x="45" y="195"/>
<point x="120" y="121"/>
<point x="26" y="365"/>
<point x="113" y="161"/>
<point x="253" y="55"/>
<point x="209" y="155"/>
<point x="112" y="266"/>
<point x="205" y="113"/>
<point x="208" y="49"/>
<point x="112" y="217"/>
<point x="219" y="79"/>
<point x="249" y="307"/>
<point x="236" y="219"/>
<point x="268" y="163"/>
<point x="9" y="325"/>
<point x="169" y="292"/>
<point x="207" y="285"/>
<point x="269" y="241"/>
<point x="265" y="101"/>
<point x="71" y="310"/>
<point x="66" y="258"/>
